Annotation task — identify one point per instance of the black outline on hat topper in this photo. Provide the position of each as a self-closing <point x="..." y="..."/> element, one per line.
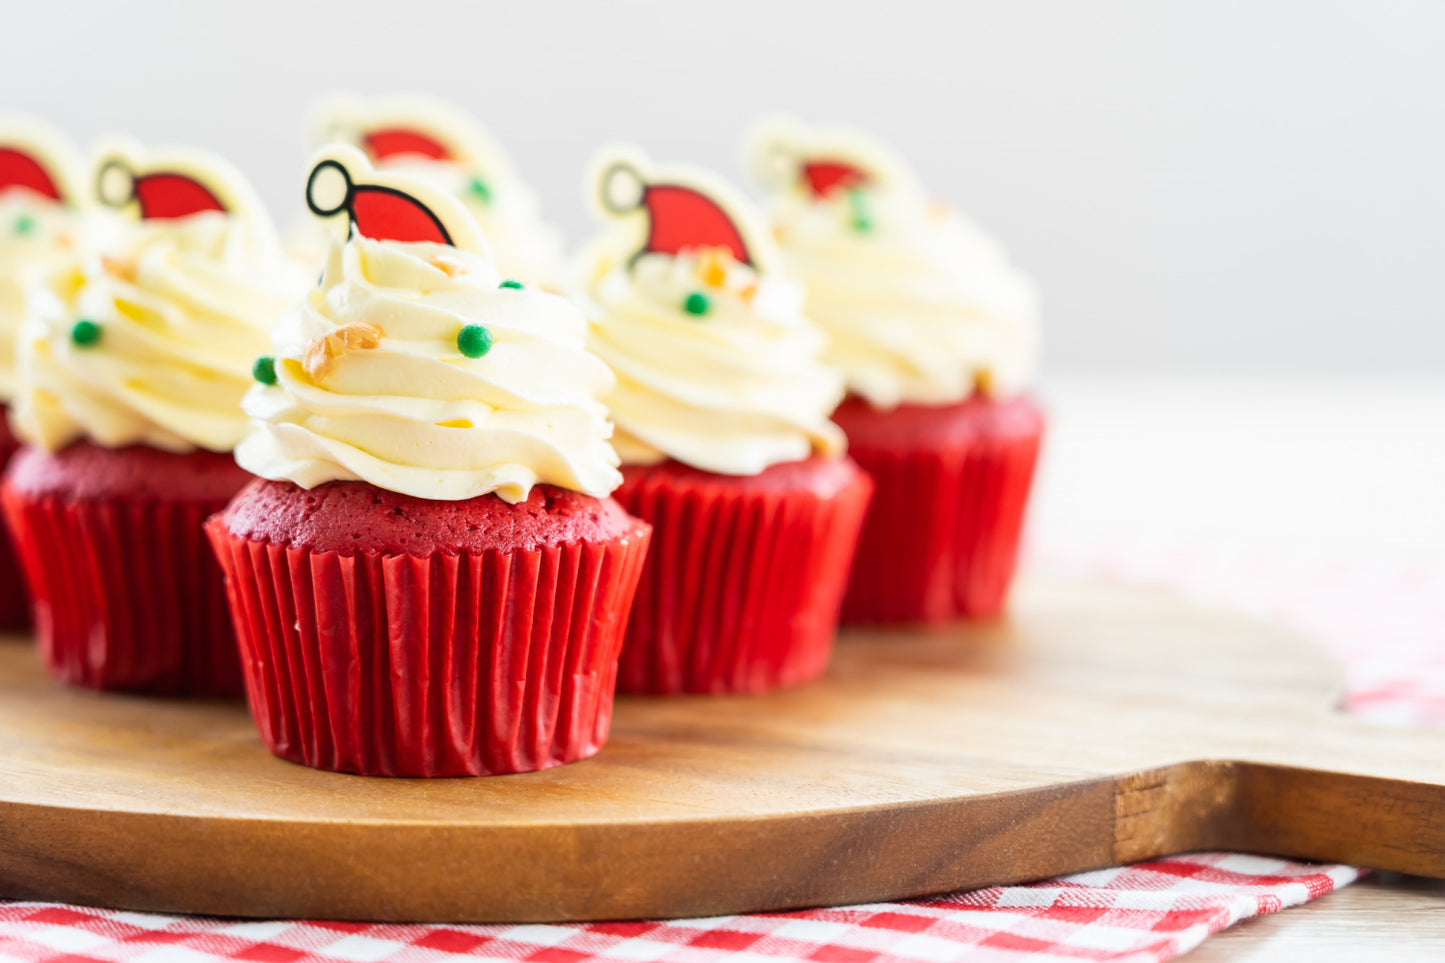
<point x="348" y="202"/>
<point x="161" y="175"/>
<point x="453" y="225"/>
<point x="700" y="186"/>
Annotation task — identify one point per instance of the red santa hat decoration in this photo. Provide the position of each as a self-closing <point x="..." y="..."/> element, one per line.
<point x="822" y="162"/>
<point x="679" y="209"/>
<point x="386" y="206"/>
<point x="175" y="183"/>
<point x="396" y="130"/>
<point x="37" y="160"/>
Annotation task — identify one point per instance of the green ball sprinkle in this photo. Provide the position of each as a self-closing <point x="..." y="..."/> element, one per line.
<point x="264" y="370"/>
<point x="85" y="332"/>
<point x="474" y="341"/>
<point x="858" y="202"/>
<point x="514" y="285"/>
<point x="25" y="224"/>
<point x="478" y="188"/>
<point x="696" y="303"/>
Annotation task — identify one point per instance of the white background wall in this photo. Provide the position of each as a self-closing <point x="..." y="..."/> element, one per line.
<point x="1238" y="184"/>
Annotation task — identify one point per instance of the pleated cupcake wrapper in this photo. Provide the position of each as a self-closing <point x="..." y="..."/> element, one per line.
<point x="14" y="598"/>
<point x="942" y="538"/>
<point x="452" y="665"/>
<point x="742" y="588"/>
<point x="126" y="595"/>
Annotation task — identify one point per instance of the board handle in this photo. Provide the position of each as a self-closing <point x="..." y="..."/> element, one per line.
<point x="1327" y="788"/>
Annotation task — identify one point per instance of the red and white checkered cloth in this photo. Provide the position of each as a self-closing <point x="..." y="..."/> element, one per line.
<point x="1386" y="621"/>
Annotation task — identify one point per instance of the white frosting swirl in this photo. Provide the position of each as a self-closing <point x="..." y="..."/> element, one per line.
<point x="731" y="391"/>
<point x="413" y="414"/>
<point x="37" y="237"/>
<point x="921" y="305"/>
<point x="183" y="308"/>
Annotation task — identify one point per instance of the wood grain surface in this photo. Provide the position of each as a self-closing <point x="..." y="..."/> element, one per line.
<point x="1099" y="725"/>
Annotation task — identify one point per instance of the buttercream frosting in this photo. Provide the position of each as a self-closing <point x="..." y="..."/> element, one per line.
<point x="37" y="238"/>
<point x="920" y="304"/>
<point x="717" y="364"/>
<point x="174" y="310"/>
<point x="371" y="381"/>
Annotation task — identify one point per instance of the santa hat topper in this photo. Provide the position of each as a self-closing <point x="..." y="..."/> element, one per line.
<point x="409" y="127"/>
<point x="386" y="205"/>
<point x="822" y="162"/>
<point x="36" y="158"/>
<point x="680" y="208"/>
<point x="177" y="182"/>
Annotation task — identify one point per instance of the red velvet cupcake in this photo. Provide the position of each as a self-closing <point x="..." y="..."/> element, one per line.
<point x="722" y="424"/>
<point x="432" y="581"/>
<point x="14" y="598"/>
<point x="126" y="592"/>
<point x="39" y="193"/>
<point x="935" y="332"/>
<point x="133" y="363"/>
<point x="973" y="464"/>
<point x="398" y="636"/>
<point x="746" y="574"/>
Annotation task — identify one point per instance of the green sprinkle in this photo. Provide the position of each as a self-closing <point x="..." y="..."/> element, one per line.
<point x="478" y="188"/>
<point x="474" y="340"/>
<point x="858" y="202"/>
<point x="25" y="224"/>
<point x="264" y="370"/>
<point x="514" y="285"/>
<point x="85" y="332"/>
<point x="697" y="303"/>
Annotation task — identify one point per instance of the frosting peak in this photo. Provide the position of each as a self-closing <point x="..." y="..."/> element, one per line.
<point x="413" y="366"/>
<point x="920" y="304"/>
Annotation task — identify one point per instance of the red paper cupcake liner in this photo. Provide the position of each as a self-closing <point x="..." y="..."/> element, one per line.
<point x="451" y="665"/>
<point x="742" y="589"/>
<point x="126" y="594"/>
<point x="942" y="539"/>
<point x="14" y="599"/>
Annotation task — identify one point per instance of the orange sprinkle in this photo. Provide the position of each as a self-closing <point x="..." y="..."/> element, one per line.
<point x="322" y="353"/>
<point x="450" y="266"/>
<point x="712" y="266"/>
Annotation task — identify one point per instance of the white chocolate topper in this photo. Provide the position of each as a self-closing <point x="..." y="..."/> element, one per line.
<point x="148" y="338"/>
<point x="42" y="204"/>
<point x="416" y="367"/>
<point x="921" y="306"/>
<point x="717" y="365"/>
<point x="426" y="136"/>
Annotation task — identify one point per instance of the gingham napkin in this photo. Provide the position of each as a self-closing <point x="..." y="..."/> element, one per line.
<point x="1386" y="621"/>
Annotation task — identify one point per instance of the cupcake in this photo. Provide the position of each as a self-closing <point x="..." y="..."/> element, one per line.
<point x="133" y="361"/>
<point x="428" y="137"/>
<point x="722" y="412"/>
<point x="40" y="203"/>
<point x="430" y="580"/>
<point x="936" y="334"/>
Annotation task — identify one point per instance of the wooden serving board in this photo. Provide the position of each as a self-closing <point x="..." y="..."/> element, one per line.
<point x="1100" y="725"/>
